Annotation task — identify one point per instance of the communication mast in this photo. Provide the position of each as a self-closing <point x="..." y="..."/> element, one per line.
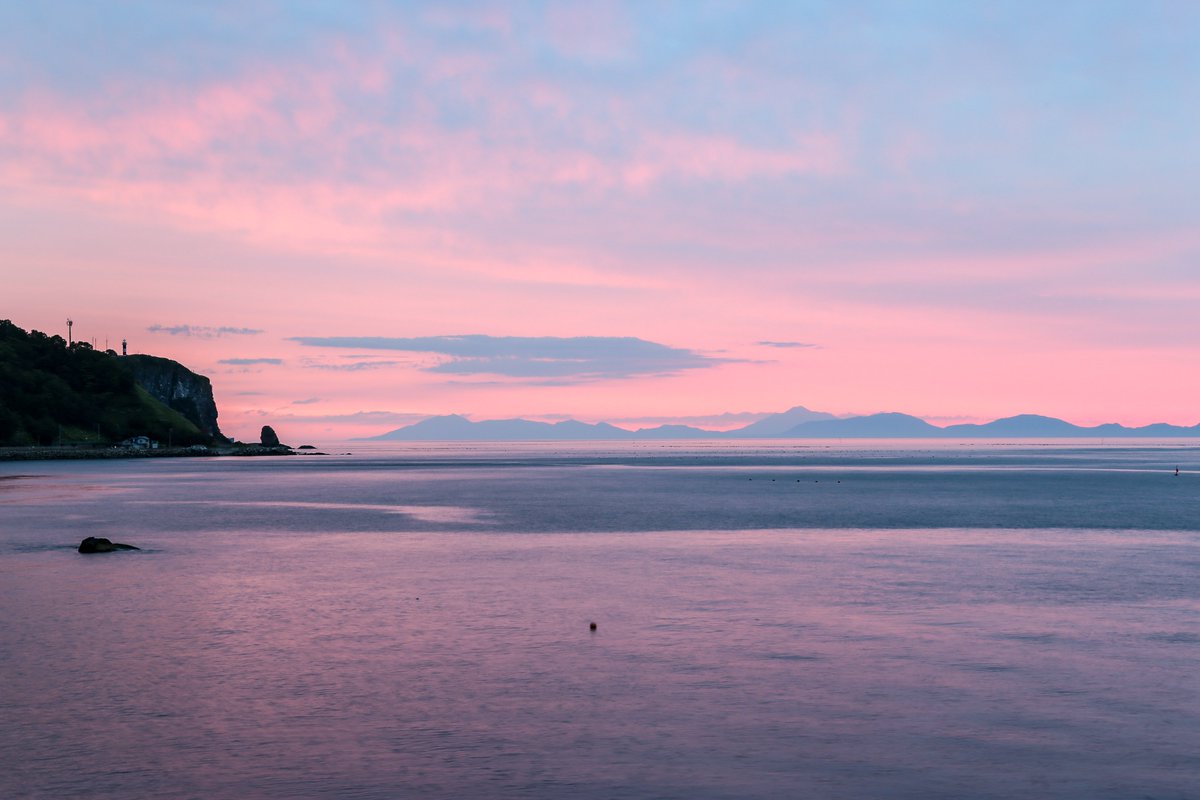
<point x="124" y="347"/>
<point x="70" y="340"/>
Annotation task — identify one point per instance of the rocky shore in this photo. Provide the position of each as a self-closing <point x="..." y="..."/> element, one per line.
<point x="80" y="453"/>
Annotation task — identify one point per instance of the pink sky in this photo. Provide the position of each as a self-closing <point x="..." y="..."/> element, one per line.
<point x="954" y="217"/>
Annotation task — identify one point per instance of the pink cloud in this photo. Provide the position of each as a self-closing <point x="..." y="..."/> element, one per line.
<point x="725" y="158"/>
<point x="420" y="186"/>
<point x="590" y="30"/>
<point x="213" y="158"/>
<point x="487" y="16"/>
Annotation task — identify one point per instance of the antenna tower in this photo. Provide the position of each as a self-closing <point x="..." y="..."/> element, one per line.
<point x="70" y="340"/>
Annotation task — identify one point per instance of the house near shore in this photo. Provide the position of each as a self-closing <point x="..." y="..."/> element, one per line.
<point x="140" y="443"/>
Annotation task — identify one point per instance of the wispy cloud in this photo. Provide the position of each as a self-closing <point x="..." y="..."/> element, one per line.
<point x="540" y="357"/>
<point x="394" y="418"/>
<point x="245" y="362"/>
<point x="306" y="402"/>
<point x="785" y="344"/>
<point x="350" y="366"/>
<point x="203" y="332"/>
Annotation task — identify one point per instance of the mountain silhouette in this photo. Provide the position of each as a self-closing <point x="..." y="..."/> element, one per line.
<point x="872" y="426"/>
<point x="779" y="424"/>
<point x="796" y="423"/>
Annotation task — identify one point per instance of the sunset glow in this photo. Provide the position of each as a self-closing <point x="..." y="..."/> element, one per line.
<point x="354" y="216"/>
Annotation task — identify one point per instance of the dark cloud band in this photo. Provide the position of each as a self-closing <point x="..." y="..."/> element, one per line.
<point x="202" y="332"/>
<point x="578" y="357"/>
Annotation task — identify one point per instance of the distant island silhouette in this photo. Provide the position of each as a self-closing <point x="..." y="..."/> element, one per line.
<point x="796" y="423"/>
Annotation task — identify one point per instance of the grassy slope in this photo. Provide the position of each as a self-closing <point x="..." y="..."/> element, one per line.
<point x="161" y="416"/>
<point x="52" y="393"/>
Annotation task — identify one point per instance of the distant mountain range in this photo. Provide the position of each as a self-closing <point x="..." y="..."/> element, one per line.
<point x="796" y="423"/>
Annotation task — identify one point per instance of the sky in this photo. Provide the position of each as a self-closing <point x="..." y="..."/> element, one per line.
<point x="352" y="216"/>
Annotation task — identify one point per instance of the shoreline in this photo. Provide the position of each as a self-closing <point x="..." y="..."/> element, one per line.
<point x="100" y="453"/>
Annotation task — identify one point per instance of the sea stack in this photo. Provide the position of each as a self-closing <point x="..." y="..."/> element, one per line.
<point x="268" y="437"/>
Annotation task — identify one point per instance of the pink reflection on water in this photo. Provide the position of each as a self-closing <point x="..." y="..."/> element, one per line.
<point x="448" y="514"/>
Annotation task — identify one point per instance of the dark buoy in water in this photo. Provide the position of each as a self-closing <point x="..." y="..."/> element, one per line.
<point x="592" y="627"/>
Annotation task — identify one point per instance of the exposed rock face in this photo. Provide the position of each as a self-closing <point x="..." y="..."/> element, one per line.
<point x="268" y="437"/>
<point x="176" y="386"/>
<point x="98" y="544"/>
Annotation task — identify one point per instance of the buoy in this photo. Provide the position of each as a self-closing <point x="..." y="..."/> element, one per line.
<point x="592" y="626"/>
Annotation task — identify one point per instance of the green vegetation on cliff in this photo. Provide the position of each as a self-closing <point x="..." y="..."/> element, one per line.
<point x="52" y="393"/>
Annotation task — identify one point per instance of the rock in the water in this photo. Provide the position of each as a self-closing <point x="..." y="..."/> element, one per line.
<point x="268" y="437"/>
<point x="98" y="544"/>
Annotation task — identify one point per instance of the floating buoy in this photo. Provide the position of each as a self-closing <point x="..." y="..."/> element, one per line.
<point x="592" y="626"/>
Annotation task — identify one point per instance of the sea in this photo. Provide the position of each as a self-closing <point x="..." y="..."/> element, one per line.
<point x="767" y="619"/>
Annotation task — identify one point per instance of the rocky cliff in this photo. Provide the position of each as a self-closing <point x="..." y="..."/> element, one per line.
<point x="177" y="387"/>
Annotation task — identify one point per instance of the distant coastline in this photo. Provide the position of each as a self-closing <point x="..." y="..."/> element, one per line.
<point x="104" y="453"/>
<point x="796" y="423"/>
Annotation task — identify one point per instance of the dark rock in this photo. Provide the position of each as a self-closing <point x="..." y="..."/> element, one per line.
<point x="98" y="544"/>
<point x="268" y="437"/>
<point x="259" y="450"/>
<point x="306" y="447"/>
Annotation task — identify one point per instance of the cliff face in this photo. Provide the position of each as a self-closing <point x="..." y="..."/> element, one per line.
<point x="177" y="387"/>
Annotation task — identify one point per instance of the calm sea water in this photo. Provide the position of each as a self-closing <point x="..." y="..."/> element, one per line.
<point x="773" y="620"/>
